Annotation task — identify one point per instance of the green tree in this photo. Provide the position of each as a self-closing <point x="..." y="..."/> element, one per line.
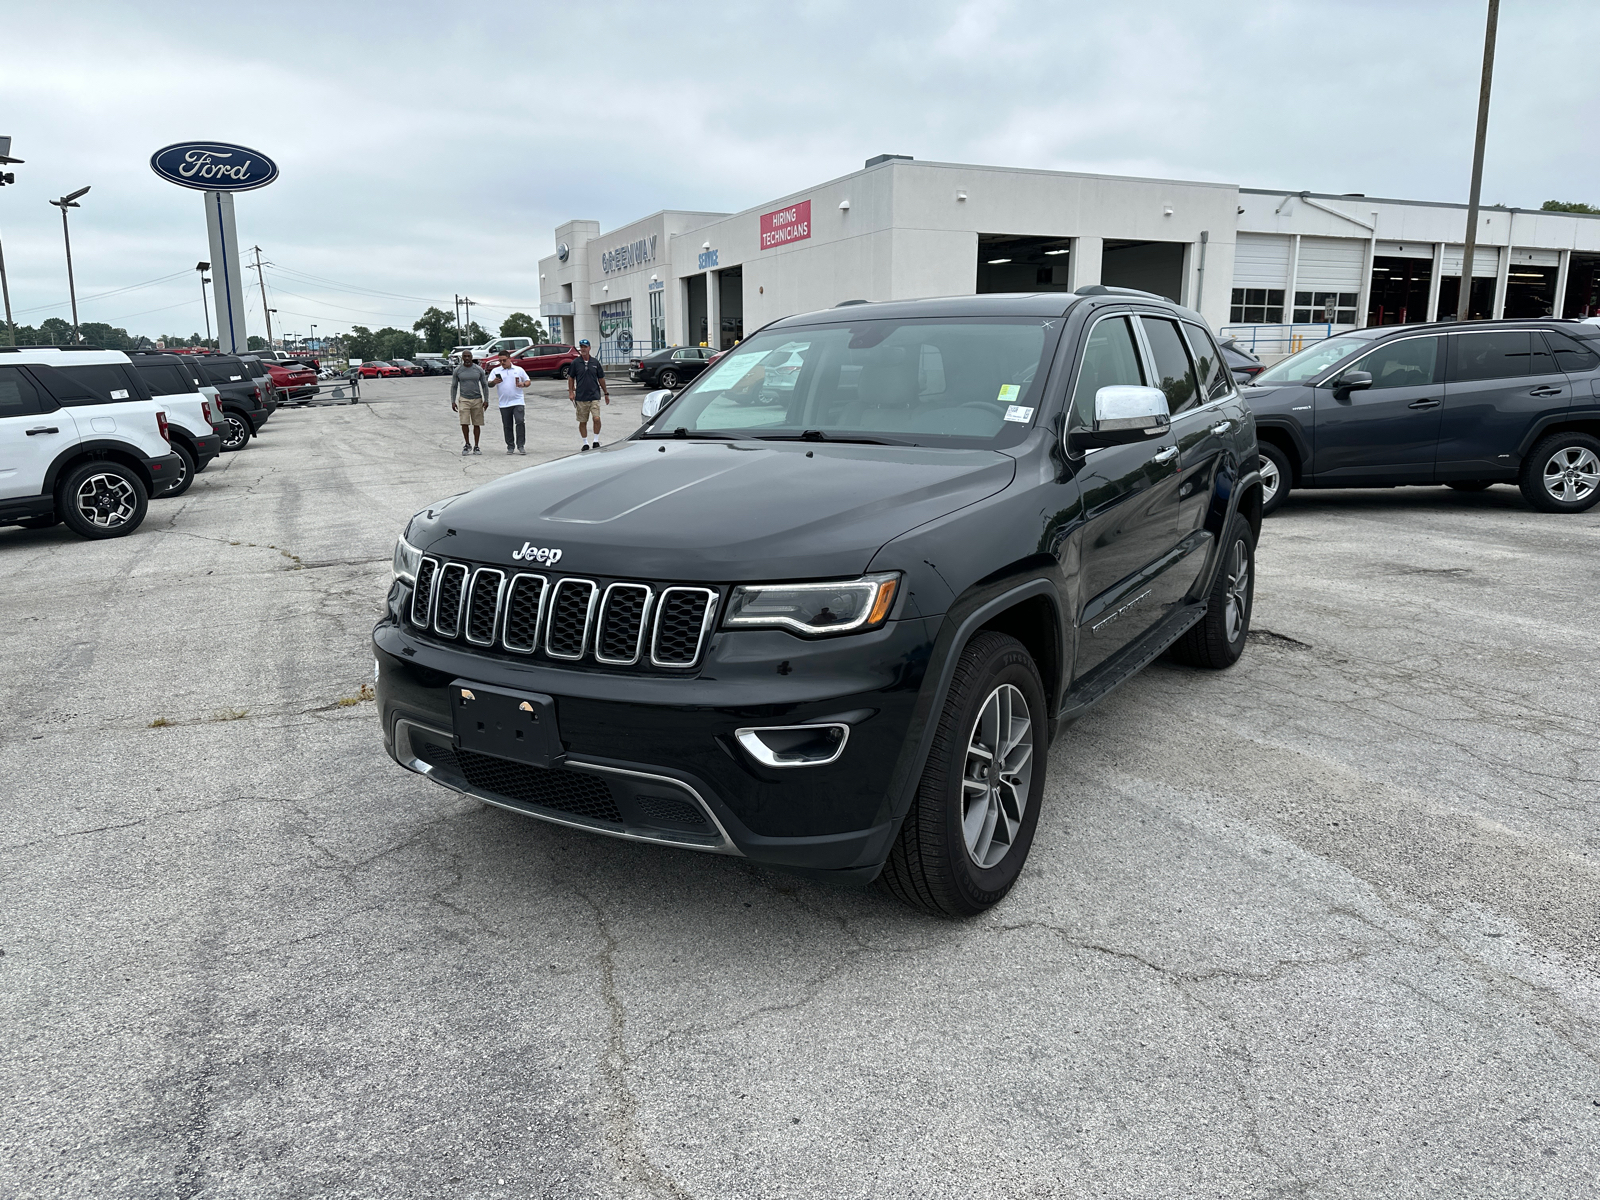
<point x="53" y="331"/>
<point x="360" y="343"/>
<point x="255" y="343"/>
<point x="477" y="335"/>
<point x="438" y="330"/>
<point x="522" y="325"/>
<point x="395" y="343"/>
<point x="1573" y="206"/>
<point x="107" y="337"/>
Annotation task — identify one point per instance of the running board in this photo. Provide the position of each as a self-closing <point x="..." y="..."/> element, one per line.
<point x="1134" y="659"/>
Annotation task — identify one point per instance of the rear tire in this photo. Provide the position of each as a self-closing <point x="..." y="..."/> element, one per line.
<point x="965" y="839"/>
<point x="186" y="472"/>
<point x="1219" y="638"/>
<point x="102" y="499"/>
<point x="669" y="380"/>
<point x="1562" y="473"/>
<point x="1470" y="485"/>
<point x="1277" y="475"/>
<point x="235" y="430"/>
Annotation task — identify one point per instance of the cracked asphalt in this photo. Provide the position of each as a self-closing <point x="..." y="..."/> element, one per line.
<point x="1324" y="925"/>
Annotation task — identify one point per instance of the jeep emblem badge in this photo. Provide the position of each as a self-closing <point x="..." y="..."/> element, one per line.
<point x="548" y="556"/>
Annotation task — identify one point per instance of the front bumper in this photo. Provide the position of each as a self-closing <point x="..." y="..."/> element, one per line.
<point x="655" y="758"/>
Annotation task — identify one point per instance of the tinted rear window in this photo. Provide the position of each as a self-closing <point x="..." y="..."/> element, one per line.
<point x="93" y="383"/>
<point x="227" y="371"/>
<point x="1572" y="355"/>
<point x="165" y="379"/>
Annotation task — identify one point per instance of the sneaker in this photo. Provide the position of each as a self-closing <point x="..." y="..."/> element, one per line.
<point x="509" y="450"/>
<point x="520" y="450"/>
<point x="466" y="449"/>
<point x="597" y="443"/>
<point x="584" y="446"/>
<point x="475" y="450"/>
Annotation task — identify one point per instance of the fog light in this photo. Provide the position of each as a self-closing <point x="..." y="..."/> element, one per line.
<point x="795" y="745"/>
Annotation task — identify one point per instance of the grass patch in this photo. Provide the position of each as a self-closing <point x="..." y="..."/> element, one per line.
<point x="159" y="722"/>
<point x="230" y="714"/>
<point x="366" y="693"/>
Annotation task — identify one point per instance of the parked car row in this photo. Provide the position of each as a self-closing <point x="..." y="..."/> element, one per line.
<point x="89" y="436"/>
<point x="394" y="368"/>
<point x="1463" y="404"/>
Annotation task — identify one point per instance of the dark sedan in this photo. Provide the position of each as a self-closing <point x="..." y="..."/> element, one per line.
<point x="1244" y="365"/>
<point x="670" y="368"/>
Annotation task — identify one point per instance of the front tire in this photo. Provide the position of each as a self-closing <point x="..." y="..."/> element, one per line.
<point x="235" y="430"/>
<point x="1218" y="640"/>
<point x="186" y="472"/>
<point x="1277" y="474"/>
<point x="102" y="499"/>
<point x="965" y="839"/>
<point x="1562" y="474"/>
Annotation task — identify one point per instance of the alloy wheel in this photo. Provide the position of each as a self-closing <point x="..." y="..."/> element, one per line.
<point x="1572" y="474"/>
<point x="1236" y="608"/>
<point x="1270" y="479"/>
<point x="669" y="380"/>
<point x="998" y="772"/>
<point x="106" y="501"/>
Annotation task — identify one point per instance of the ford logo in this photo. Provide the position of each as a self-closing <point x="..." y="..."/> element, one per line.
<point x="213" y="166"/>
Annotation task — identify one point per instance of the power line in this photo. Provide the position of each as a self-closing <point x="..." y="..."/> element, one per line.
<point x="132" y="287"/>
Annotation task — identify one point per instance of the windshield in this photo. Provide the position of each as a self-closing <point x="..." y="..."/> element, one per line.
<point x="898" y="382"/>
<point x="1313" y="360"/>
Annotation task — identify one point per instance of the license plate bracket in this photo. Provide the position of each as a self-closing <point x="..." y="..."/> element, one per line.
<point x="519" y="726"/>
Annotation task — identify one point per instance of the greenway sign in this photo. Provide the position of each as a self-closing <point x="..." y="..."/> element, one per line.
<point x="213" y="166"/>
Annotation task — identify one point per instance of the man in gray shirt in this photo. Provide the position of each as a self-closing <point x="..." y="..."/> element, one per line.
<point x="469" y="380"/>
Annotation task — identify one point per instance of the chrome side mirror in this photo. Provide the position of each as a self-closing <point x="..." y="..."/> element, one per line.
<point x="654" y="402"/>
<point x="1125" y="408"/>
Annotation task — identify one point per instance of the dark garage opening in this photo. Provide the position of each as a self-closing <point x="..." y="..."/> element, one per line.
<point x="1530" y="291"/>
<point x="696" y="308"/>
<point x="1399" y="290"/>
<point x="730" y="301"/>
<point x="1149" y="266"/>
<point x="1007" y="263"/>
<point x="1479" y="308"/>
<point x="1583" y="286"/>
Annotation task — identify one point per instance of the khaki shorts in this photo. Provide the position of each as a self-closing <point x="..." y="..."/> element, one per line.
<point x="587" y="409"/>
<point x="471" y="411"/>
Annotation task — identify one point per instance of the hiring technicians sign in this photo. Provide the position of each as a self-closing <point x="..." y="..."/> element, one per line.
<point x="792" y="224"/>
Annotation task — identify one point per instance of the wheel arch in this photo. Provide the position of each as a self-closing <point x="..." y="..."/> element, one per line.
<point x="1285" y="440"/>
<point x="1588" y="422"/>
<point x="84" y="451"/>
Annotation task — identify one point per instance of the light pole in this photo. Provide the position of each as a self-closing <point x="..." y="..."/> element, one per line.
<point x="313" y="349"/>
<point x="271" y="312"/>
<point x="1470" y="249"/>
<point x="202" y="268"/>
<point x="63" y="204"/>
<point x="5" y="178"/>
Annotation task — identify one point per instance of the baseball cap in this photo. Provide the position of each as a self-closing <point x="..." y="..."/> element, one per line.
<point x="583" y="341"/>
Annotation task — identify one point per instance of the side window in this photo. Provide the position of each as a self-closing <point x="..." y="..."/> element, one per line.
<point x="684" y="355"/>
<point x="163" y="379"/>
<point x="1111" y="358"/>
<point x="83" y="385"/>
<point x="1174" y="371"/>
<point x="1410" y="362"/>
<point x="1216" y="381"/>
<point x="1571" y="355"/>
<point x="17" y="396"/>
<point x="1502" y="355"/>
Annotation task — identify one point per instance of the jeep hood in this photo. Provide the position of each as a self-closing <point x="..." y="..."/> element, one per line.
<point x="711" y="510"/>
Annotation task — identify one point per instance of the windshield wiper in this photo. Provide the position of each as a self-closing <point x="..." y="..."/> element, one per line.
<point x="684" y="432"/>
<point x="816" y="435"/>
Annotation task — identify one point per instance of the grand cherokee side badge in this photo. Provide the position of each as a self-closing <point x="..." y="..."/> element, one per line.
<point x="531" y="553"/>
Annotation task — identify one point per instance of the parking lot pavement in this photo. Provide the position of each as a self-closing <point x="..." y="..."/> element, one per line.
<point x="1324" y="925"/>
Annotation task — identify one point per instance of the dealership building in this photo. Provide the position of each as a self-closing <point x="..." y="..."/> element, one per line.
<point x="1270" y="267"/>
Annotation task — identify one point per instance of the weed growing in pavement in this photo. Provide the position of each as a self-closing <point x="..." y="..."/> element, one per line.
<point x="159" y="722"/>
<point x="366" y="693"/>
<point x="230" y="714"/>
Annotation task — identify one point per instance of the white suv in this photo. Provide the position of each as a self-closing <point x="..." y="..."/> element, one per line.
<point x="194" y="414"/>
<point x="81" y="441"/>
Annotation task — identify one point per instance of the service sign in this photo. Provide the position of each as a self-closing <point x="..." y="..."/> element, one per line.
<point x="792" y="224"/>
<point x="213" y="166"/>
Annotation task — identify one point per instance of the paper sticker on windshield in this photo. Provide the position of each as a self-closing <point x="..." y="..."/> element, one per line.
<point x="1016" y="412"/>
<point x="1008" y="393"/>
<point x="119" y="393"/>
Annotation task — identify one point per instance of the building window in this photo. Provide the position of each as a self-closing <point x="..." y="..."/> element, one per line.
<point x="1257" y="306"/>
<point x="658" y="320"/>
<point x="1321" y="308"/>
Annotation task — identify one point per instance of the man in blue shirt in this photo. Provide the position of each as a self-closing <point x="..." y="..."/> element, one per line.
<point x="586" y="383"/>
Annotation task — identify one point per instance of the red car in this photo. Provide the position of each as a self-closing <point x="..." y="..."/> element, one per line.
<point x="373" y="369"/>
<point x="546" y="360"/>
<point x="294" y="381"/>
<point x="407" y="367"/>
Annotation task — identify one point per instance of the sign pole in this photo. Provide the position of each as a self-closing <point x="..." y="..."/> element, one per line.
<point x="227" y="280"/>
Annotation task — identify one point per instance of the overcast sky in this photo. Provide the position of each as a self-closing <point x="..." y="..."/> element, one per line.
<point x="426" y="153"/>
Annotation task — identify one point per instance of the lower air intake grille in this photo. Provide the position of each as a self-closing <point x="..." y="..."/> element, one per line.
<point x="565" y="791"/>
<point x="680" y="623"/>
<point x="663" y="810"/>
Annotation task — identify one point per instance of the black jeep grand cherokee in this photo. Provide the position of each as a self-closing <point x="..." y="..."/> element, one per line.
<point x="828" y="606"/>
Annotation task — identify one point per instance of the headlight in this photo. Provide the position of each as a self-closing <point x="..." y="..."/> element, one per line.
<point x="814" y="609"/>
<point x="406" y="560"/>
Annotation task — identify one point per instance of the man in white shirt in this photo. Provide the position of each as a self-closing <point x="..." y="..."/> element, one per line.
<point x="509" y="382"/>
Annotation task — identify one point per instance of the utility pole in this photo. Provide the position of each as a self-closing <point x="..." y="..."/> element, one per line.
<point x="63" y="204"/>
<point x="262" y="280"/>
<point x="467" y="300"/>
<point x="5" y="178"/>
<point x="1470" y="249"/>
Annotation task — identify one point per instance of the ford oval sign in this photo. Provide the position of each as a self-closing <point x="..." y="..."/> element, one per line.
<point x="213" y="166"/>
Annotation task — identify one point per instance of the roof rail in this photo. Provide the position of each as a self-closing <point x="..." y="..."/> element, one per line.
<point x="1100" y="289"/>
<point x="848" y="303"/>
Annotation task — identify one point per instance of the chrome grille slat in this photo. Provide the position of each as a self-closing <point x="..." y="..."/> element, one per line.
<point x="483" y="605"/>
<point x="684" y="616"/>
<point x="447" y="606"/>
<point x="624" y="621"/>
<point x="566" y="630"/>
<point x="519" y="633"/>
<point x="422" y="593"/>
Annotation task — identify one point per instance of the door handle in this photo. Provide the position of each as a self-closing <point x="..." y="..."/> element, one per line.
<point x="1166" y="456"/>
<point x="1423" y="404"/>
<point x="44" y="429"/>
<point x="1221" y="427"/>
<point x="1545" y="391"/>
